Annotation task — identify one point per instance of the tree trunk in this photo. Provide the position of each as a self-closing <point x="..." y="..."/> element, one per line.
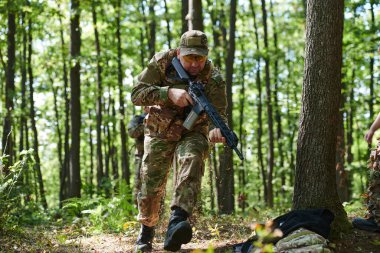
<point x="259" y="107"/>
<point x="277" y="107"/>
<point x="33" y="119"/>
<point x="197" y="16"/>
<point x="59" y="134"/>
<point x="152" y="29"/>
<point x="211" y="182"/>
<point x="99" y="104"/>
<point x="342" y="177"/>
<point x="124" y="138"/>
<point x="90" y="142"/>
<point x="184" y="12"/>
<point x="167" y="19"/>
<point x="7" y="140"/>
<point x="228" y="206"/>
<point x="113" y="151"/>
<point x="75" y="180"/>
<point x="23" y="119"/>
<point x="216" y="34"/>
<point x="242" y="134"/>
<point x="350" y="119"/>
<point x="64" y="177"/>
<point x="315" y="185"/>
<point x="372" y="98"/>
<point x="269" y="200"/>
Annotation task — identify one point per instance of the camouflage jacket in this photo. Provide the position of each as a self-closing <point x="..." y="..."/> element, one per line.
<point x="136" y="131"/>
<point x="165" y="119"/>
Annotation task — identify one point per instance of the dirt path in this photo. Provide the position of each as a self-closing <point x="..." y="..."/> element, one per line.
<point x="69" y="240"/>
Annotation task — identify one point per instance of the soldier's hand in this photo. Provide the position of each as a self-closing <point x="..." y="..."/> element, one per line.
<point x="179" y="97"/>
<point x="215" y="135"/>
<point x="368" y="136"/>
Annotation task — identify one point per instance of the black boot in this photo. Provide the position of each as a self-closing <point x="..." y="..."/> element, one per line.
<point x="179" y="230"/>
<point x="145" y="239"/>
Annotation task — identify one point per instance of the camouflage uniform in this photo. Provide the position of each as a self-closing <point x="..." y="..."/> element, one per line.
<point x="373" y="192"/>
<point x="136" y="131"/>
<point x="165" y="135"/>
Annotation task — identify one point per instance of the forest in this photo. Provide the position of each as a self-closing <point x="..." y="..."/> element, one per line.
<point x="301" y="78"/>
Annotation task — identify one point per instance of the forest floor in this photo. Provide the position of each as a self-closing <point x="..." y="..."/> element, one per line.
<point x="220" y="236"/>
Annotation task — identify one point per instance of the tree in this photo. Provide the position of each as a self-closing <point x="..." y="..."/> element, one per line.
<point x="75" y="180"/>
<point x="268" y="89"/>
<point x="125" y="173"/>
<point x="315" y="185"/>
<point x="37" y="165"/>
<point x="226" y="204"/>
<point x="259" y="105"/>
<point x="65" y="170"/>
<point x="99" y="102"/>
<point x="7" y="139"/>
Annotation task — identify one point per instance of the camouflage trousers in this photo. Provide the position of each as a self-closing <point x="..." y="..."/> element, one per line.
<point x="191" y="151"/>
<point x="373" y="192"/>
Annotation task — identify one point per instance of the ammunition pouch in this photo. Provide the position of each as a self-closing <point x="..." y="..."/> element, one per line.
<point x="164" y="123"/>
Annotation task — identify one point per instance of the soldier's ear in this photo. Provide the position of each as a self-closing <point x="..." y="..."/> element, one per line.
<point x="178" y="51"/>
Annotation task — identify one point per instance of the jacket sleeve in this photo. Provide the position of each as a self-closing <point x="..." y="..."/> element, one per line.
<point x="148" y="89"/>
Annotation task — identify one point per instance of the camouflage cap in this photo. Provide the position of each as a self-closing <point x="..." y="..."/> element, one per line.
<point x="193" y="42"/>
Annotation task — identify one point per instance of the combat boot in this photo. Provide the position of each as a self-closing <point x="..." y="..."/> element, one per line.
<point x="145" y="239"/>
<point x="179" y="230"/>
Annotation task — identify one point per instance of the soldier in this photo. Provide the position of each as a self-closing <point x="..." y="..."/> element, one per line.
<point x="136" y="131"/>
<point x="159" y="87"/>
<point x="372" y="220"/>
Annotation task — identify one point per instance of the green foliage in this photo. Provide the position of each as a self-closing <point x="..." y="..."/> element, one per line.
<point x="101" y="214"/>
<point x="16" y="204"/>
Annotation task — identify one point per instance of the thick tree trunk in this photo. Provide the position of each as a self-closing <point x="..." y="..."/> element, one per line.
<point x="315" y="185"/>
<point x="75" y="180"/>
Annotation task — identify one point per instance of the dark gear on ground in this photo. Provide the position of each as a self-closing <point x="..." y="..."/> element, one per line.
<point x="304" y="230"/>
<point x="366" y="224"/>
<point x="179" y="230"/>
<point x="145" y="239"/>
<point x="371" y="222"/>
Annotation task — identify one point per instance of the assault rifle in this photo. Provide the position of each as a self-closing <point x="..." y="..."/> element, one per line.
<point x="201" y="104"/>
